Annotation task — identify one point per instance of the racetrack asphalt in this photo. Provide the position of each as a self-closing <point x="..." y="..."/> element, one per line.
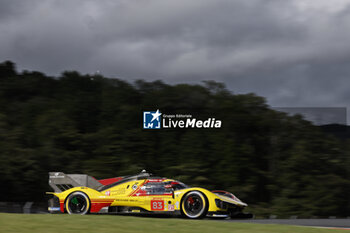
<point x="336" y="223"/>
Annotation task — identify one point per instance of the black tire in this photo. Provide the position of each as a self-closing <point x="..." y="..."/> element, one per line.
<point x="77" y="203"/>
<point x="194" y="205"/>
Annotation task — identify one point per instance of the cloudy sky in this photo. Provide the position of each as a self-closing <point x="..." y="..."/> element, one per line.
<point x="296" y="53"/>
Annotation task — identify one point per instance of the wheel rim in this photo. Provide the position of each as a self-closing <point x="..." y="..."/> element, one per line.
<point x="194" y="205"/>
<point x="77" y="204"/>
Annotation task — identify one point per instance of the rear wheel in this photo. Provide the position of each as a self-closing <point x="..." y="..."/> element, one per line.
<point x="194" y="205"/>
<point x="78" y="203"/>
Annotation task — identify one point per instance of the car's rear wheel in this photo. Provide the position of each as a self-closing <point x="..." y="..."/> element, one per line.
<point x="77" y="203"/>
<point x="194" y="205"/>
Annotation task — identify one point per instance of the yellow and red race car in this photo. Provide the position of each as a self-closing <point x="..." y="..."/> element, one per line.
<point x="140" y="193"/>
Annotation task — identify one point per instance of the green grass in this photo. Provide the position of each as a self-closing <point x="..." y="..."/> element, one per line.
<point x="62" y="223"/>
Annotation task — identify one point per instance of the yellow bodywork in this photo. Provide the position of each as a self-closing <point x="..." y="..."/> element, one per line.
<point x="125" y="194"/>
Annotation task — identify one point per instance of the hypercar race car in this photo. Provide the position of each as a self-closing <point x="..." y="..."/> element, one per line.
<point x="141" y="193"/>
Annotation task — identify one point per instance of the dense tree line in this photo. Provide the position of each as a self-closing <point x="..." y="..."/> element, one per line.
<point x="91" y="124"/>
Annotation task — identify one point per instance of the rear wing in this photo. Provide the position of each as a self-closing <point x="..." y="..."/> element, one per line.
<point x="60" y="181"/>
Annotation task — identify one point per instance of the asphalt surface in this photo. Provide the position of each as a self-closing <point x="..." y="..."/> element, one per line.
<point x="336" y="223"/>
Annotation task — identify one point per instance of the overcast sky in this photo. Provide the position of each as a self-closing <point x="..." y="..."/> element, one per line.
<point x="296" y="53"/>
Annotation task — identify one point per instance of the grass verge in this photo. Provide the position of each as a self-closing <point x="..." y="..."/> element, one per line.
<point x="62" y="223"/>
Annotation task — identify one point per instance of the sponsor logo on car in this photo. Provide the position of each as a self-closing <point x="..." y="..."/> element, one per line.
<point x="171" y="207"/>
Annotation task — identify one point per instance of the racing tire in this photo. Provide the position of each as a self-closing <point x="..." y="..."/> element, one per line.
<point x="194" y="205"/>
<point x="77" y="203"/>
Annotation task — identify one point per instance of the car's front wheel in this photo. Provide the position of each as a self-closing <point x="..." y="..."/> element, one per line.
<point x="77" y="203"/>
<point x="194" y="205"/>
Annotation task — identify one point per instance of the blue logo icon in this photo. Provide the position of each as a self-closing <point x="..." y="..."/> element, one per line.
<point x="151" y="120"/>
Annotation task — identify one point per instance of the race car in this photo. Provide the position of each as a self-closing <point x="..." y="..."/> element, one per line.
<point x="140" y="193"/>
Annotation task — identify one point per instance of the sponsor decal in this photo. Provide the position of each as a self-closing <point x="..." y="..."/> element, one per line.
<point x="177" y="205"/>
<point x="158" y="120"/>
<point x="121" y="199"/>
<point x="151" y="120"/>
<point x="171" y="207"/>
<point x="54" y="208"/>
<point x="108" y="193"/>
<point x="154" y="180"/>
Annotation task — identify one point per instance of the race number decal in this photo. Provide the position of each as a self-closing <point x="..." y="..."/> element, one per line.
<point x="157" y="205"/>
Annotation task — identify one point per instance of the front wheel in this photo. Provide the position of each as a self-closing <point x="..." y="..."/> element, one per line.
<point x="194" y="205"/>
<point x="78" y="203"/>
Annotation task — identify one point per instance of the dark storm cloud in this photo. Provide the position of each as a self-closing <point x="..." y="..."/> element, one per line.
<point x="295" y="53"/>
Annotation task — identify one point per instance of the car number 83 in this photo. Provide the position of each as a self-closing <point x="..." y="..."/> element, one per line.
<point x="157" y="205"/>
